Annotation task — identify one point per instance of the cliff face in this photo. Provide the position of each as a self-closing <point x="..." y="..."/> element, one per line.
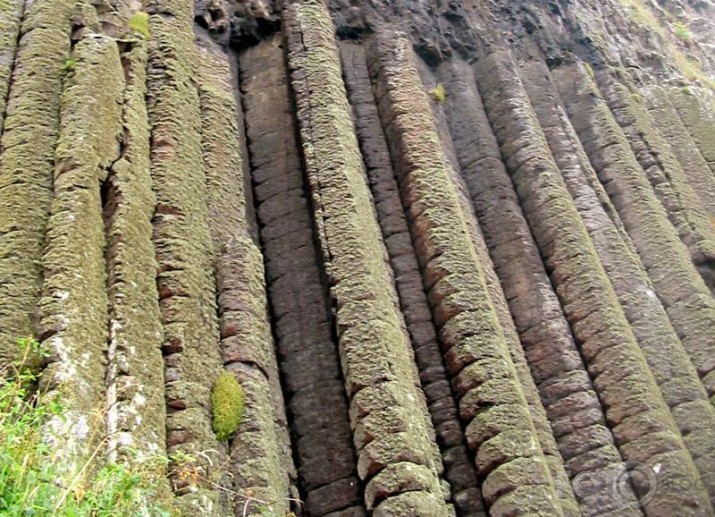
<point x="459" y="255"/>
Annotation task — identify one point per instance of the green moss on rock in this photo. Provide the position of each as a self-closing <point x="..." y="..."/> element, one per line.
<point x="139" y="23"/>
<point x="227" y="403"/>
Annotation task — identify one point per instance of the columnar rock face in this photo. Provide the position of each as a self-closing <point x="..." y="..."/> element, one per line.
<point x="459" y="256"/>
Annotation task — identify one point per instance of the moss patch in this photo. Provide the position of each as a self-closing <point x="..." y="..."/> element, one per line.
<point x="438" y="93"/>
<point x="139" y="23"/>
<point x="227" y="402"/>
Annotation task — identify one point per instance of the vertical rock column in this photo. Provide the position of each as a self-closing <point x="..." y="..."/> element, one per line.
<point x="509" y="459"/>
<point x="27" y="148"/>
<point x="675" y="375"/>
<point x="566" y="391"/>
<point x="685" y="297"/>
<point x="664" y="174"/>
<point x="641" y="423"/>
<point x="74" y="302"/>
<point x="397" y="456"/>
<point x="261" y="457"/>
<point x="700" y="121"/>
<point x="10" y="16"/>
<point x="460" y="471"/>
<point x="544" y="433"/>
<point x="303" y="324"/>
<point x="136" y="411"/>
<point x="184" y="252"/>
<point x="696" y="169"/>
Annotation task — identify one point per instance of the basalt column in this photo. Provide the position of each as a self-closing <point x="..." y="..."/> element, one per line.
<point x="303" y="323"/>
<point x="515" y="477"/>
<point x="621" y="377"/>
<point x="74" y="305"/>
<point x="700" y="121"/>
<point x="136" y="412"/>
<point x="675" y="375"/>
<point x="663" y="172"/>
<point x="397" y="457"/>
<point x="27" y="152"/>
<point x="11" y="12"/>
<point x="696" y="169"/>
<point x="571" y="403"/>
<point x="261" y="458"/>
<point x="184" y="253"/>
<point x="683" y="293"/>
<point x="459" y="469"/>
<point x="498" y="300"/>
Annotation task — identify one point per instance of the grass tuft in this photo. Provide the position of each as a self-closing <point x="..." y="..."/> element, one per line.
<point x="33" y="477"/>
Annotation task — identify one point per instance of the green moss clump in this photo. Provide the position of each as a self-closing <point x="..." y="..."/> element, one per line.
<point x="682" y="32"/>
<point x="139" y="23"/>
<point x="69" y="65"/>
<point x="438" y="93"/>
<point x="227" y="403"/>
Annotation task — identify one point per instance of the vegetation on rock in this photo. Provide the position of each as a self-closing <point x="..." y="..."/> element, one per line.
<point x="33" y="482"/>
<point x="139" y="23"/>
<point x="438" y="93"/>
<point x="227" y="403"/>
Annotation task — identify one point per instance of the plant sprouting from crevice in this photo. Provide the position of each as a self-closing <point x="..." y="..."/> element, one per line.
<point x="438" y="93"/>
<point x="69" y="65"/>
<point x="682" y="32"/>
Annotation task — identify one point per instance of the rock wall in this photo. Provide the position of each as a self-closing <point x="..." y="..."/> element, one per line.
<point x="460" y="256"/>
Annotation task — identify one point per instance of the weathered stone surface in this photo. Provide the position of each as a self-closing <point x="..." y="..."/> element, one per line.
<point x="664" y="257"/>
<point x="666" y="357"/>
<point x="700" y="121"/>
<point x="243" y="317"/>
<point x="11" y="12"/>
<point x="74" y="305"/>
<point x="544" y="332"/>
<point x="27" y="147"/>
<point x="666" y="118"/>
<point x="182" y="241"/>
<point x="453" y="274"/>
<point x="459" y="471"/>
<point x="136" y="413"/>
<point x="443" y="293"/>
<point x="309" y="357"/>
<point x="608" y="346"/>
<point x="375" y="354"/>
<point x="663" y="172"/>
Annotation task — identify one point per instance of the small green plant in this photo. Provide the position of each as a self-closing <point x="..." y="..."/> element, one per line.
<point x="139" y="23"/>
<point x="589" y="71"/>
<point x="686" y="91"/>
<point x="438" y="93"/>
<point x="227" y="402"/>
<point x="33" y="480"/>
<point x="682" y="32"/>
<point x="69" y="65"/>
